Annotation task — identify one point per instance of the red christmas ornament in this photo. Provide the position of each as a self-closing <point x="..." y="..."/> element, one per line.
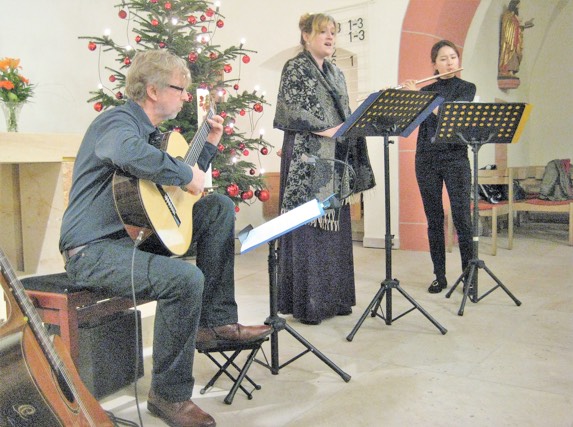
<point x="246" y="59"/>
<point x="167" y="6"/>
<point x="92" y="46"/>
<point x="233" y="190"/>
<point x="127" y="61"/>
<point x="177" y="129"/>
<point x="162" y="45"/>
<point x="223" y="114"/>
<point x="209" y="12"/>
<point x="227" y="68"/>
<point x="220" y="23"/>
<point x="264" y="151"/>
<point x="204" y="30"/>
<point x="122" y="14"/>
<point x="228" y="130"/>
<point x="154" y="22"/>
<point x="213" y="55"/>
<point x="153" y="1"/>
<point x="236" y="86"/>
<point x="193" y="56"/>
<point x="98" y="106"/>
<point x="202" y="18"/>
<point x="138" y="39"/>
<point x="264" y="195"/>
<point x="216" y="173"/>
<point x="245" y="153"/>
<point x="258" y="107"/>
<point x="252" y="172"/>
<point x="232" y="152"/>
<point x="241" y="146"/>
<point x="247" y="195"/>
<point x="112" y="78"/>
<point x="119" y="95"/>
<point x="242" y="112"/>
<point x="192" y="20"/>
<point x="221" y="148"/>
<point x="237" y="208"/>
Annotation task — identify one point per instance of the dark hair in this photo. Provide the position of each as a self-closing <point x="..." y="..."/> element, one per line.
<point x="436" y="48"/>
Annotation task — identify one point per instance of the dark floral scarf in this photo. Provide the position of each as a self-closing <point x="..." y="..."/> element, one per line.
<point x="313" y="100"/>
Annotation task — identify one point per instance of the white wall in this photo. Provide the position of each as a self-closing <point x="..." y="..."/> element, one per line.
<point x="44" y="34"/>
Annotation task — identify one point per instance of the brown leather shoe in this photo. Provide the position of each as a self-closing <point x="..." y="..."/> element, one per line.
<point x="231" y="334"/>
<point x="179" y="414"/>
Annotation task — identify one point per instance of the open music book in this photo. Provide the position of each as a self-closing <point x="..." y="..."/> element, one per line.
<point x="251" y="238"/>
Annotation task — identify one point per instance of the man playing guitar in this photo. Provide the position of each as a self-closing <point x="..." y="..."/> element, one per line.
<point x="194" y="303"/>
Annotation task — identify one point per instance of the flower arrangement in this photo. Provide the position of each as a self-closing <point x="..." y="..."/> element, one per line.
<point x="14" y="87"/>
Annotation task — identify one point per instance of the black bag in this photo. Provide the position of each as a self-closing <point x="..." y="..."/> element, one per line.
<point x="492" y="193"/>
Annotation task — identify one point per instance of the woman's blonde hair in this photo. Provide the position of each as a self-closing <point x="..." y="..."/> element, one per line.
<point x="155" y="67"/>
<point x="313" y="24"/>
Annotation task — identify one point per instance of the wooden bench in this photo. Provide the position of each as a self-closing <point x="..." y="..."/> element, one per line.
<point x="530" y="177"/>
<point x="489" y="210"/>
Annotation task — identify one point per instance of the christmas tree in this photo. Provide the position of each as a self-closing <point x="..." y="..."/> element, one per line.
<point x="187" y="28"/>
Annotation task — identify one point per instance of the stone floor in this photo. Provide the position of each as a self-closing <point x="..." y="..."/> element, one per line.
<point x="498" y="365"/>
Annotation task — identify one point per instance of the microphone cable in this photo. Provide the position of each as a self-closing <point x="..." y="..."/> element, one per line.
<point x="312" y="159"/>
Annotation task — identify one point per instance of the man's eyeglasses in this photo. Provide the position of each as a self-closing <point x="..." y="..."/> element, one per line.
<point x="179" y="88"/>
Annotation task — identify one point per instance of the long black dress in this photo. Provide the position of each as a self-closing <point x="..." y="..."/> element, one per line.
<point x="316" y="268"/>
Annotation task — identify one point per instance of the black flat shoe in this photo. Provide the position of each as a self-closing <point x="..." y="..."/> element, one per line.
<point x="437" y="287"/>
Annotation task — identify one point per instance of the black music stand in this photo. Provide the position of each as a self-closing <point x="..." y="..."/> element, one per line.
<point x="268" y="232"/>
<point x="390" y="113"/>
<point x="476" y="124"/>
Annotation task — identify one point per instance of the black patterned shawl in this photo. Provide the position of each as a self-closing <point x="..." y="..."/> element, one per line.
<point x="313" y="100"/>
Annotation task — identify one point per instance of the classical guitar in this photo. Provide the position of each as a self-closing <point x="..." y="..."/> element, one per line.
<point x="39" y="384"/>
<point x="163" y="214"/>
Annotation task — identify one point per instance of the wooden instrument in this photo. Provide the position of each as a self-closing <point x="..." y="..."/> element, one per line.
<point x="162" y="214"/>
<point x="39" y="384"/>
<point x="435" y="76"/>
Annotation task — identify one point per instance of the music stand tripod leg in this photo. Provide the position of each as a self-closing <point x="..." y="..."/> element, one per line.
<point x="279" y="324"/>
<point x="389" y="283"/>
<point x="470" y="274"/>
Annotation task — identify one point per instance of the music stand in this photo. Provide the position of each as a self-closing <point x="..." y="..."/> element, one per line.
<point x="476" y="124"/>
<point x="388" y="113"/>
<point x="269" y="232"/>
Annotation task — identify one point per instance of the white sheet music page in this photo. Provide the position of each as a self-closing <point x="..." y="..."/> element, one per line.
<point x="281" y="225"/>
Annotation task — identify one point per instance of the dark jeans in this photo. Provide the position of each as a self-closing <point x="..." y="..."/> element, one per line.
<point x="188" y="296"/>
<point x="432" y="171"/>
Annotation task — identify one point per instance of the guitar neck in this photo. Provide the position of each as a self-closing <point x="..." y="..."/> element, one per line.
<point x="198" y="142"/>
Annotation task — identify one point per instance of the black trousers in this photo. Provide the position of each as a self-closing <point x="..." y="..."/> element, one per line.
<point x="433" y="170"/>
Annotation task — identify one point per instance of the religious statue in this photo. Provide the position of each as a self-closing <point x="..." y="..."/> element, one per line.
<point x="511" y="46"/>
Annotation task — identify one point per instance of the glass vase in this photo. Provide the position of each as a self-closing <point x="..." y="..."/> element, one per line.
<point x="12" y="114"/>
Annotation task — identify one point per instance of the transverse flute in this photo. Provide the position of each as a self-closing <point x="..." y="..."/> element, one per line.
<point x="417" y="82"/>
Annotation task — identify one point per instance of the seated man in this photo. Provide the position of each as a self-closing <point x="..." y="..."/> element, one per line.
<point x="194" y="303"/>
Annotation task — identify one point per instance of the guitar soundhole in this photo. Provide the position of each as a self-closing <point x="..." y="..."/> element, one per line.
<point x="66" y="391"/>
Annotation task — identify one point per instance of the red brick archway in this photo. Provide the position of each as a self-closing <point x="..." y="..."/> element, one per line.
<point x="425" y="22"/>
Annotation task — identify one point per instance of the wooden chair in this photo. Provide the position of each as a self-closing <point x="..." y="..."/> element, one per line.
<point x="490" y="210"/>
<point x="61" y="304"/>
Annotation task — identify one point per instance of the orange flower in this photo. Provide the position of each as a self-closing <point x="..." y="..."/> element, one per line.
<point x="6" y="84"/>
<point x="8" y="63"/>
<point x="13" y="86"/>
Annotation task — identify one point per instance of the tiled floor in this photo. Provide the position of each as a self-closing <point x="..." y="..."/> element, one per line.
<point x="498" y="364"/>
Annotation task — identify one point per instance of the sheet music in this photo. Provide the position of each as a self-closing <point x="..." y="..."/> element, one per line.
<point x="251" y="237"/>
